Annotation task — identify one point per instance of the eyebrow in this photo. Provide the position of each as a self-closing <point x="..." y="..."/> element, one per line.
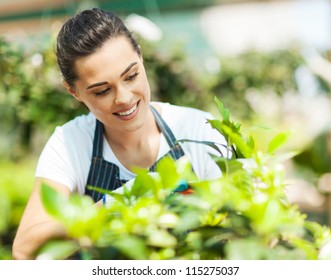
<point x="96" y="85"/>
<point x="127" y="69"/>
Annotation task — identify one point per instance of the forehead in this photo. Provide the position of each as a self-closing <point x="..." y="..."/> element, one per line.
<point x="113" y="57"/>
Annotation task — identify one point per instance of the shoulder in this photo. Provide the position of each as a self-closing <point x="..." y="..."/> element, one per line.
<point x="74" y="137"/>
<point x="175" y="115"/>
<point x="79" y="125"/>
<point x="190" y="123"/>
<point x="77" y="130"/>
<point x="66" y="156"/>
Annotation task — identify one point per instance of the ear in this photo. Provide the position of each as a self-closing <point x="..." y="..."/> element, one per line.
<point x="72" y="91"/>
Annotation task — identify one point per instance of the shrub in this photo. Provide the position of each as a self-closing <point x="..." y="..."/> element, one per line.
<point x="243" y="215"/>
<point x="261" y="72"/>
<point x="16" y="183"/>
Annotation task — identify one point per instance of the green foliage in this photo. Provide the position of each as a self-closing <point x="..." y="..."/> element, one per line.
<point x="16" y="182"/>
<point x="31" y="93"/>
<point x="32" y="82"/>
<point x="172" y="78"/>
<point x="316" y="157"/>
<point x="242" y="215"/>
<point x="262" y="72"/>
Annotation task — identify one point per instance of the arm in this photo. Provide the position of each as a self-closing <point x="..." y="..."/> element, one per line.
<point x="36" y="226"/>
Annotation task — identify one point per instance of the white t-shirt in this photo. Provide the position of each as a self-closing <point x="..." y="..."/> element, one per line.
<point x="66" y="158"/>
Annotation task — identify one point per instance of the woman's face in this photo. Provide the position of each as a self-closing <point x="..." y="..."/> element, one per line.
<point x="113" y="85"/>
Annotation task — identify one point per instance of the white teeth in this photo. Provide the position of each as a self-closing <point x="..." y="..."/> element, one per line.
<point x="128" y="112"/>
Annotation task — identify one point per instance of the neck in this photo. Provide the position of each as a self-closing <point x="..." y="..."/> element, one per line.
<point x="129" y="140"/>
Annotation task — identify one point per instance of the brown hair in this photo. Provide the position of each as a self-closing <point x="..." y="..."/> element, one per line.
<point x="83" y="34"/>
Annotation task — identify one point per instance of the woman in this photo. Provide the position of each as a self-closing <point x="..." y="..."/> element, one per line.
<point x="103" y="68"/>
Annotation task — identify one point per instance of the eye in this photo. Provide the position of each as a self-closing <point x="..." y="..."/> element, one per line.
<point x="103" y="92"/>
<point x="132" y="77"/>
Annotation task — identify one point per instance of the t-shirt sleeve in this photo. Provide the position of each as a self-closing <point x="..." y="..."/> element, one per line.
<point x="55" y="163"/>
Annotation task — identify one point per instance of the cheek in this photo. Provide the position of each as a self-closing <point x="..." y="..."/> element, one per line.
<point x="99" y="105"/>
<point x="144" y="86"/>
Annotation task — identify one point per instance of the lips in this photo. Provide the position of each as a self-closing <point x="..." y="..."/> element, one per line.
<point x="129" y="112"/>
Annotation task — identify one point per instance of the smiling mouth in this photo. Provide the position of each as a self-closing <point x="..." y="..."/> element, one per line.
<point x="129" y="112"/>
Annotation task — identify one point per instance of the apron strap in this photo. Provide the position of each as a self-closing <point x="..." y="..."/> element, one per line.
<point x="169" y="136"/>
<point x="98" y="140"/>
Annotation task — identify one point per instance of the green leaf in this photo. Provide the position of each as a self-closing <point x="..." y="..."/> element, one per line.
<point x="168" y="172"/>
<point x="143" y="184"/>
<point x="218" y="125"/>
<point x="52" y="201"/>
<point x="223" y="111"/>
<point x="184" y="168"/>
<point x="228" y="166"/>
<point x="246" y="249"/>
<point x="208" y="143"/>
<point x="242" y="148"/>
<point x="58" y="250"/>
<point x="101" y="190"/>
<point x="118" y="197"/>
<point x="272" y="216"/>
<point x="132" y="246"/>
<point x="188" y="220"/>
<point x="276" y="142"/>
<point x="250" y="142"/>
<point x="161" y="238"/>
<point x="83" y="218"/>
<point x="307" y="247"/>
<point x="77" y="213"/>
<point x="280" y="158"/>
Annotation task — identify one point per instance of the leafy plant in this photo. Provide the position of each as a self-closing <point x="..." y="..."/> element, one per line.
<point x="30" y="83"/>
<point x="255" y="71"/>
<point x="242" y="215"/>
<point x="16" y="182"/>
<point x="172" y="78"/>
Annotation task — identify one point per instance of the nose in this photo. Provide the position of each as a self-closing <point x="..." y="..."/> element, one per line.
<point x="123" y="96"/>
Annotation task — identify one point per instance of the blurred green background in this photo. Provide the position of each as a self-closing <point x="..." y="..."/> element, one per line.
<point x="264" y="60"/>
